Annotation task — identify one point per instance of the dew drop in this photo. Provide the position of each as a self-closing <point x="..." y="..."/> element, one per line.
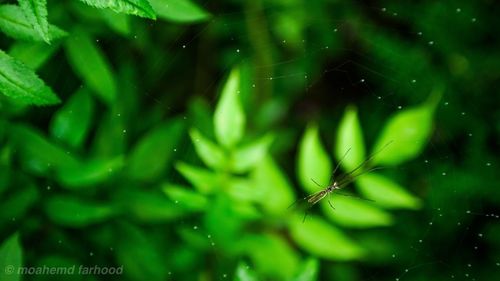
<point x="480" y="235"/>
<point x="420" y="241"/>
<point x="488" y="164"/>
<point x="124" y="131"/>
<point x="48" y="187"/>
<point x="335" y="30"/>
<point x="414" y="81"/>
<point x="446" y="103"/>
<point x="406" y="270"/>
<point x="469" y="265"/>
<point x="473" y="20"/>
<point x="175" y="149"/>
<point x="399" y="107"/>
<point x="383" y="9"/>
<point x="431" y="43"/>
<point x="184" y="46"/>
<point x="458" y="10"/>
<point x="430" y="223"/>
<point x="91" y="254"/>
<point x="224" y="275"/>
<point x="195" y="227"/>
<point x="393" y="255"/>
<point x="237" y="50"/>
<point x="444" y="174"/>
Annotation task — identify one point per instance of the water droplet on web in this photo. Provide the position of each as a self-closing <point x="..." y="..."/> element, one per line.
<point x="458" y="10"/>
<point x="383" y="9"/>
<point x="393" y="255"/>
<point x="488" y="164"/>
<point x="473" y="20"/>
<point x="209" y="236"/>
<point x="498" y="263"/>
<point x="119" y="114"/>
<point x="480" y="235"/>
<point x="414" y="81"/>
<point x="13" y="219"/>
<point x="362" y="80"/>
<point x="463" y="113"/>
<point x="224" y="275"/>
<point x="419" y="33"/>
<point x="237" y="50"/>
<point x="91" y="254"/>
<point x="195" y="227"/>
<point x="431" y="43"/>
<point x="459" y="223"/>
<point x="426" y="161"/>
<point x="253" y="85"/>
<point x="124" y="131"/>
<point x="444" y="174"/>
<point x="335" y="30"/>
<point x="169" y="273"/>
<point x="111" y="248"/>
<point x="406" y="270"/>
<point x="475" y="247"/>
<point x="469" y="265"/>
<point x="430" y="223"/>
<point x="394" y="14"/>
<point x="446" y="103"/>
<point x="175" y="149"/>
<point x="468" y="212"/>
<point x="48" y="187"/>
<point x="470" y="134"/>
<point x="213" y="244"/>
<point x="399" y="107"/>
<point x="184" y="46"/>
<point x="59" y="241"/>
<point x="420" y="241"/>
<point x="379" y="97"/>
<point x="176" y="201"/>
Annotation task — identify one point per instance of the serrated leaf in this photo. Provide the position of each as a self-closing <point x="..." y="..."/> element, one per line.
<point x="91" y="65"/>
<point x="32" y="54"/>
<point x="74" y="212"/>
<point x="322" y="239"/>
<point x="349" y="140"/>
<point x="71" y="123"/>
<point x="407" y="132"/>
<point x="314" y="165"/>
<point x="140" y="8"/>
<point x="308" y="271"/>
<point x="182" y="11"/>
<point x="89" y="173"/>
<point x="35" y="12"/>
<point x="18" y="82"/>
<point x="229" y="118"/>
<point x="212" y="155"/>
<point x="352" y="212"/>
<point x="272" y="183"/>
<point x="11" y="255"/>
<point x="203" y="180"/>
<point x="249" y="156"/>
<point x="14" y="23"/>
<point x="153" y="153"/>
<point x="386" y="193"/>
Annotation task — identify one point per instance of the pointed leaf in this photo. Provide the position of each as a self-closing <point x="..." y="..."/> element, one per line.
<point x="35" y="12"/>
<point x="323" y="240"/>
<point x="212" y="155"/>
<point x="308" y="271"/>
<point x="386" y="193"/>
<point x="90" y="173"/>
<point x="10" y="258"/>
<point x="203" y="180"/>
<point x="14" y="23"/>
<point x="250" y="155"/>
<point x="182" y="11"/>
<point x="91" y="65"/>
<point x="314" y="165"/>
<point x="74" y="212"/>
<point x="71" y="123"/>
<point x="140" y="8"/>
<point x="274" y="187"/>
<point x="244" y="273"/>
<point x="407" y="132"/>
<point x="229" y="118"/>
<point x="353" y="212"/>
<point x="20" y="83"/>
<point x="149" y="206"/>
<point x="33" y="54"/>
<point x="350" y="138"/>
<point x="152" y="154"/>
<point x="185" y="197"/>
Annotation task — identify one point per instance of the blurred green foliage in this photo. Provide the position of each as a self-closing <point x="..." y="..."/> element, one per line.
<point x="172" y="139"/>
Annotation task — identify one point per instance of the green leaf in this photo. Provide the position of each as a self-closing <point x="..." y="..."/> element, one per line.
<point x="11" y="255"/>
<point x="271" y="255"/>
<point x="91" y="65"/>
<point x="18" y="203"/>
<point x="212" y="155"/>
<point x="250" y="155"/>
<point x="229" y="118"/>
<point x="74" y="212"/>
<point x="182" y="11"/>
<point x="153" y="153"/>
<point x="140" y="8"/>
<point x="71" y="123"/>
<point x="185" y="197"/>
<point x="32" y="54"/>
<point x="244" y="273"/>
<point x="352" y="212"/>
<point x="118" y="22"/>
<point x="14" y="23"/>
<point x="90" y="173"/>
<point x="407" y="132"/>
<point x="386" y="193"/>
<point x="38" y="153"/>
<point x="350" y="140"/>
<point x="149" y="206"/>
<point x="203" y="180"/>
<point x="321" y="239"/>
<point x="313" y="162"/>
<point x="20" y="83"/>
<point x="35" y="12"/>
<point x="110" y="138"/>
<point x="274" y="187"/>
<point x="308" y="271"/>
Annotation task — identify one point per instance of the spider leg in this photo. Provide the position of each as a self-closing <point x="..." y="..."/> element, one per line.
<point x="305" y="215"/>
<point x="331" y="205"/>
